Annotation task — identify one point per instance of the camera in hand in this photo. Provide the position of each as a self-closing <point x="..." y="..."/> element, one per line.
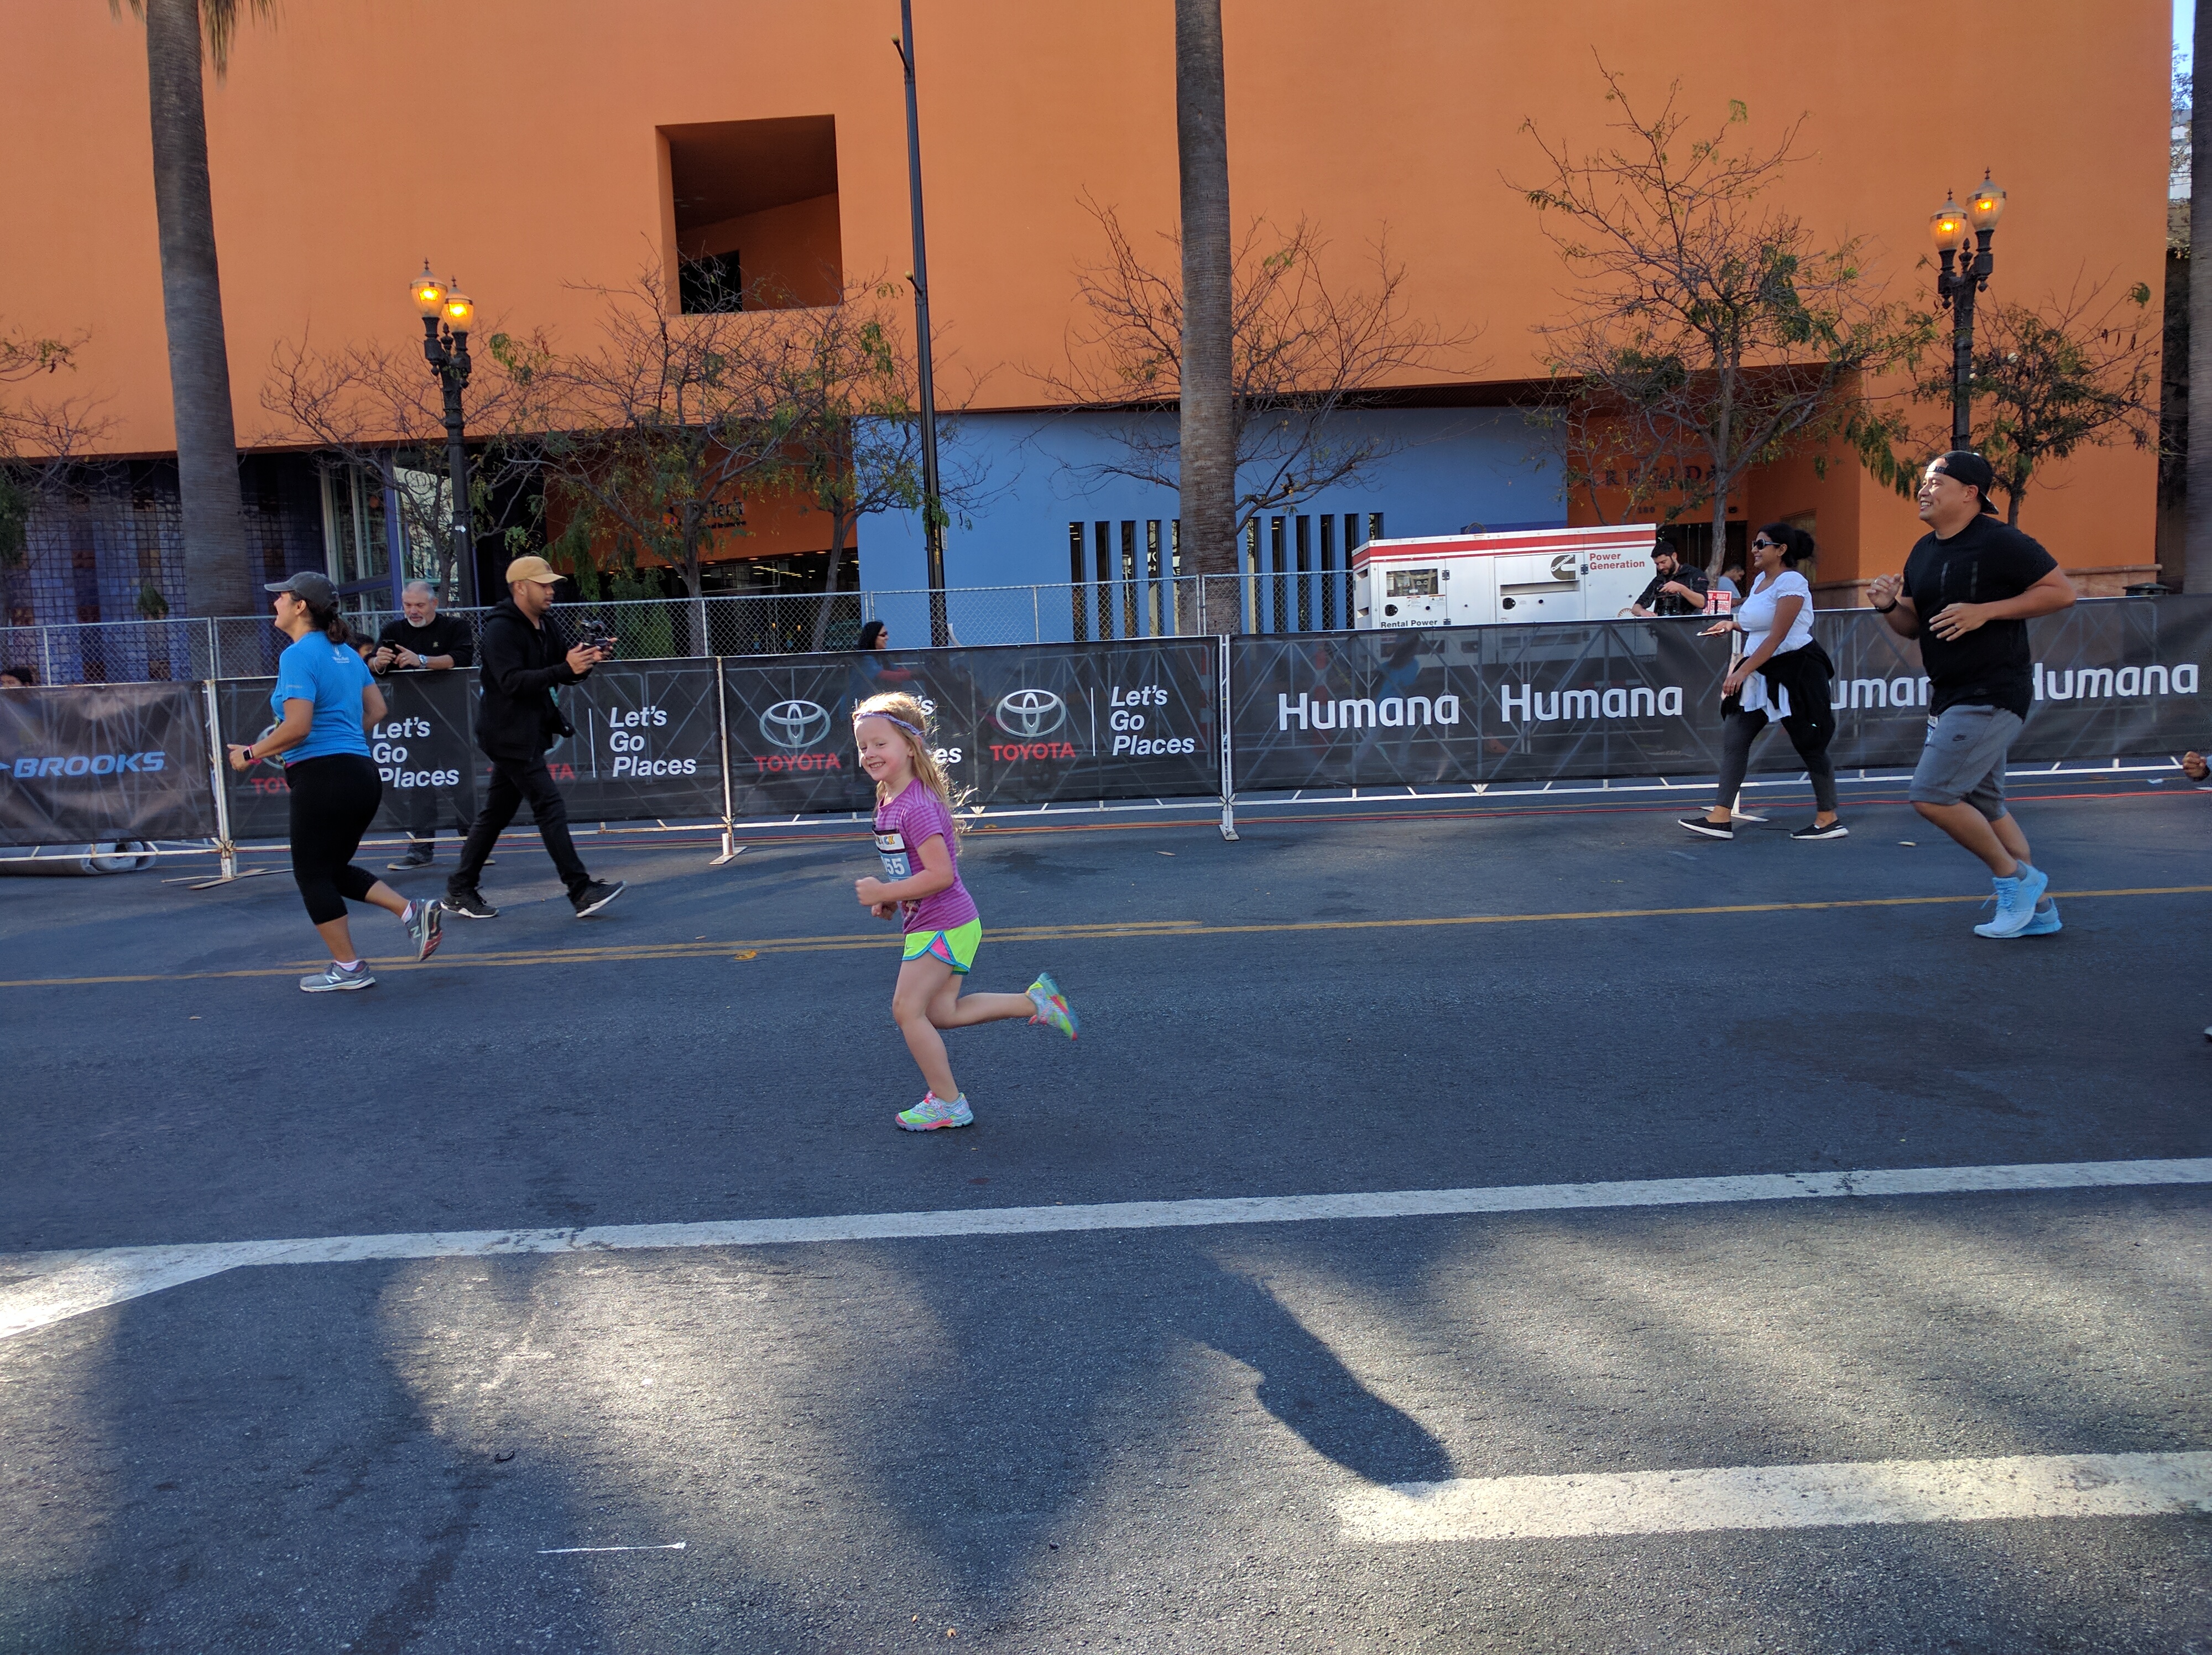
<point x="596" y="634"/>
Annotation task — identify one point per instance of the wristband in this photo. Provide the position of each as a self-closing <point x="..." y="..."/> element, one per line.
<point x="1879" y="610"/>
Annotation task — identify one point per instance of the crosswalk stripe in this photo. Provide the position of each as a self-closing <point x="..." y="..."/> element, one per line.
<point x="40" y="1289"/>
<point x="1577" y="1506"/>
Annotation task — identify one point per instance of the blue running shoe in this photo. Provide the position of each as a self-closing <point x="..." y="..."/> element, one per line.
<point x="2016" y="898"/>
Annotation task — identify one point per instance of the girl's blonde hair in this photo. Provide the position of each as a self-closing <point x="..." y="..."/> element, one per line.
<point x="912" y="723"/>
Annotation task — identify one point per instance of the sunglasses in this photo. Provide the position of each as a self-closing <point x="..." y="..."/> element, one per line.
<point x="1763" y="542"/>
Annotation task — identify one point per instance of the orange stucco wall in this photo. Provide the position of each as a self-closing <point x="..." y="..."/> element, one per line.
<point x="341" y="158"/>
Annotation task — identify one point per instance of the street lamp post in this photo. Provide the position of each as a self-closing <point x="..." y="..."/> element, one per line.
<point x="447" y="352"/>
<point x="1964" y="273"/>
<point x="933" y="512"/>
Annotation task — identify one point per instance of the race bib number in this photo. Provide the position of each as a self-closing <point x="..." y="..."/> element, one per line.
<point x="891" y="847"/>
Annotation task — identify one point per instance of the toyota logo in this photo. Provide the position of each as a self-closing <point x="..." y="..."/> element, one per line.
<point x="1031" y="713"/>
<point x="795" y="723"/>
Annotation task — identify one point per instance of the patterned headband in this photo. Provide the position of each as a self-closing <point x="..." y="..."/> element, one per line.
<point x="888" y="719"/>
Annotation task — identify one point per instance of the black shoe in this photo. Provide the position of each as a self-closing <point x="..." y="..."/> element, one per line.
<point x="594" y="897"/>
<point x="1710" y="830"/>
<point x="469" y="906"/>
<point x="1834" y="830"/>
<point x="419" y="857"/>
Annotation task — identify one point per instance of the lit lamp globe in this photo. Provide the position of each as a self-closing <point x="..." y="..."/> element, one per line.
<point x="1988" y="206"/>
<point x="460" y="314"/>
<point x="429" y="294"/>
<point x="1947" y="226"/>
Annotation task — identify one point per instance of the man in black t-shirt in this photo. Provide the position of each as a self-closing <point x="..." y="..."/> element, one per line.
<point x="1970" y="587"/>
<point x="423" y="641"/>
<point x="1678" y="588"/>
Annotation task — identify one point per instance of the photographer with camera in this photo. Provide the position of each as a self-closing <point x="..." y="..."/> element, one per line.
<point x="525" y="655"/>
<point x="423" y="641"/>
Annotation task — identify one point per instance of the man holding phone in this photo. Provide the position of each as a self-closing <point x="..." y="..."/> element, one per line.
<point x="525" y="655"/>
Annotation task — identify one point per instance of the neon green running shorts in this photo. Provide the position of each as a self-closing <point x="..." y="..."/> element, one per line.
<point x="956" y="948"/>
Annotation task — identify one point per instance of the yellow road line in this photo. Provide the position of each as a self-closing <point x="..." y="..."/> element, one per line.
<point x="1106" y="932"/>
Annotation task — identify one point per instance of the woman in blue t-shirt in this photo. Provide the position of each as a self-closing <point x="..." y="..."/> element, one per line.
<point x="324" y="702"/>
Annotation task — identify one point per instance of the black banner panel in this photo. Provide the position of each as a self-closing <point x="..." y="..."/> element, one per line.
<point x="107" y="761"/>
<point x="1623" y="698"/>
<point x="647" y="747"/>
<point x="1021" y="724"/>
<point x="422" y="749"/>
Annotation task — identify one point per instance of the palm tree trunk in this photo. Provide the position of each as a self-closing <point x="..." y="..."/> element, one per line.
<point x="1209" y="433"/>
<point x="217" y="579"/>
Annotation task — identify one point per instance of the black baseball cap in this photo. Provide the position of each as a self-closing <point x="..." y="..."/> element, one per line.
<point x="1964" y="465"/>
<point x="311" y="588"/>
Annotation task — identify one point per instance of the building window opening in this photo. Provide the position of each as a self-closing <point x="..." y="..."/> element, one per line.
<point x="753" y="214"/>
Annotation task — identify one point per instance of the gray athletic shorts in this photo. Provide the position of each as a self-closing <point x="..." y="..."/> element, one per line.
<point x="1965" y="759"/>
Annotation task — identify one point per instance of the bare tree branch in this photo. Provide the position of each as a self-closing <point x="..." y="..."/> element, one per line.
<point x="1303" y="350"/>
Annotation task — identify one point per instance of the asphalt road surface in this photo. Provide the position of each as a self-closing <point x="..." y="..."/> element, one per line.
<point x="1974" y="1418"/>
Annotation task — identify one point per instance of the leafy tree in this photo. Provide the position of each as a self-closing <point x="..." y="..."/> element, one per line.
<point x="217" y="578"/>
<point x="655" y="435"/>
<point x="2077" y="372"/>
<point x="45" y="443"/>
<point x="378" y="409"/>
<point x="1710" y="330"/>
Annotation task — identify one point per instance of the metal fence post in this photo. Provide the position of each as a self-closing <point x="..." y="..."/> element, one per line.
<point x="225" y="847"/>
<point x="1228" y="755"/>
<point x="46" y="653"/>
<point x="731" y="848"/>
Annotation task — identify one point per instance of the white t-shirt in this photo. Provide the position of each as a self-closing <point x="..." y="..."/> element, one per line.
<point x="1755" y="614"/>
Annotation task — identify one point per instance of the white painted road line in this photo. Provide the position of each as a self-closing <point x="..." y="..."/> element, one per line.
<point x="39" y="1289"/>
<point x="2025" y="1486"/>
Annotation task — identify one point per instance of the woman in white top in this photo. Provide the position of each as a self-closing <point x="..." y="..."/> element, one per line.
<point x="1784" y="674"/>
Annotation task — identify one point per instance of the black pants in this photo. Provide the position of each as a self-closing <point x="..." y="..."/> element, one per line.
<point x="1810" y="733"/>
<point x="422" y="807"/>
<point x="513" y="781"/>
<point x="334" y="799"/>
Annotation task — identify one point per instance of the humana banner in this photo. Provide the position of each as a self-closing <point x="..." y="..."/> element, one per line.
<point x="108" y="761"/>
<point x="1615" y="698"/>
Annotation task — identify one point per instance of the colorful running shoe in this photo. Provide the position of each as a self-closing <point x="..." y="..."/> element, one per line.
<point x="1052" y="1007"/>
<point x="421" y="920"/>
<point x="933" y="1111"/>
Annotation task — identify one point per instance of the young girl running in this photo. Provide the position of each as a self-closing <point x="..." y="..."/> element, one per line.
<point x="914" y="835"/>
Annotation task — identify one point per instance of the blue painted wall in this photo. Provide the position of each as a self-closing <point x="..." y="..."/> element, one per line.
<point x="1036" y="473"/>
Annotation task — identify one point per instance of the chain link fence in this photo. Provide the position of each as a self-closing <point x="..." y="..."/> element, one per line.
<point x="246" y="646"/>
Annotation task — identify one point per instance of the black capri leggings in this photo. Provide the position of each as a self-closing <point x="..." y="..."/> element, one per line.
<point x="1809" y="733"/>
<point x="334" y="799"/>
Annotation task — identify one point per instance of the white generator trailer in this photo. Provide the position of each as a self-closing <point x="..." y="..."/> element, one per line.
<point x="1481" y="580"/>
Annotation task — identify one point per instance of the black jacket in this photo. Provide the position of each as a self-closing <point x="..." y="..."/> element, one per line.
<point x="517" y="718"/>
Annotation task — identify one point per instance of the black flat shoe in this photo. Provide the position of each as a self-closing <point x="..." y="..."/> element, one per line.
<point x="1710" y="830"/>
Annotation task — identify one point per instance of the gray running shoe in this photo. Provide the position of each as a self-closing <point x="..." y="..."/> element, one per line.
<point x="419" y="856"/>
<point x="421" y="920"/>
<point x="334" y="978"/>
